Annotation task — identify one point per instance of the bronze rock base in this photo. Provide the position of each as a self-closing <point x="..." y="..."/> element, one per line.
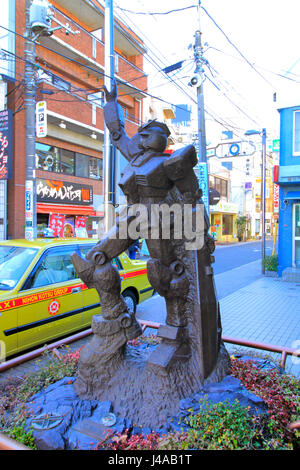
<point x="136" y="388"/>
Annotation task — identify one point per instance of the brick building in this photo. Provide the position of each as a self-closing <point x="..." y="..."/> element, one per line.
<point x="69" y="76"/>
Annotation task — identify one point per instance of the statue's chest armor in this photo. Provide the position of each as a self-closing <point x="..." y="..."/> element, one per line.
<point x="145" y="178"/>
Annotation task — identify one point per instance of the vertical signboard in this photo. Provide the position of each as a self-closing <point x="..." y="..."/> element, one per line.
<point x="5" y="144"/>
<point x="276" y="201"/>
<point x="203" y="184"/>
<point x="29" y="210"/>
<point x="56" y="224"/>
<point x="41" y="119"/>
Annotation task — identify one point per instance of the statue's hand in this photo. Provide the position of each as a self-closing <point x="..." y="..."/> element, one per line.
<point x="111" y="95"/>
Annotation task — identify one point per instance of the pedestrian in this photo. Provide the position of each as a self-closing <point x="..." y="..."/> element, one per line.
<point x="134" y="249"/>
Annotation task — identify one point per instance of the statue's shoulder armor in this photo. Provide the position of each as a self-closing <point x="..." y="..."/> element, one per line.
<point x="180" y="162"/>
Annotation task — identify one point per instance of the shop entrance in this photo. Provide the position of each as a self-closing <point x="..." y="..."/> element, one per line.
<point x="296" y="235"/>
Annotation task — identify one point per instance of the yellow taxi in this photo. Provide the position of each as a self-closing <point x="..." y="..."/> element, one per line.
<point x="41" y="296"/>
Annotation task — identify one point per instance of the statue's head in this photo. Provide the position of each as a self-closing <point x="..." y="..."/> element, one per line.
<point x="153" y="135"/>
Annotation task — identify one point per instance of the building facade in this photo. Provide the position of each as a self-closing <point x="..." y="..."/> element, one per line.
<point x="69" y="74"/>
<point x="287" y="175"/>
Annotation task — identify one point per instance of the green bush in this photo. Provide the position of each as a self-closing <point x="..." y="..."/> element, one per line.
<point x="222" y="426"/>
<point x="270" y="263"/>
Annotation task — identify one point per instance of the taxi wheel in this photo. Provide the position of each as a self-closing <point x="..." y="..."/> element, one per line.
<point x="130" y="300"/>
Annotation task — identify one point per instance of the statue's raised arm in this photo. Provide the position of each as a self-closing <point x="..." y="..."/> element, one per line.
<point x="115" y="122"/>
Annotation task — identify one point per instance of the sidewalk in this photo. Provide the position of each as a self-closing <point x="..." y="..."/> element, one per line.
<point x="253" y="307"/>
<point x="266" y="311"/>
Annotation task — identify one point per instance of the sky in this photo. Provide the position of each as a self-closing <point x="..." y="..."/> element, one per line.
<point x="252" y="49"/>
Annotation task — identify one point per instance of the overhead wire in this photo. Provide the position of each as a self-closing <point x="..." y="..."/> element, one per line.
<point x="235" y="47"/>
<point x="218" y="120"/>
<point x="102" y="73"/>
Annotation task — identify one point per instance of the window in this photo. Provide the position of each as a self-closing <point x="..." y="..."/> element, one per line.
<point x="98" y="33"/>
<point x="116" y="63"/>
<point x="14" y="261"/>
<point x="88" y="167"/>
<point x="95" y="168"/>
<point x="67" y="162"/>
<point x="227" y="225"/>
<point x="55" y="266"/>
<point x="296" y="147"/>
<point x="47" y="158"/>
<point x="82" y="168"/>
<point x="96" y="98"/>
<point x="64" y="161"/>
<point x="219" y="185"/>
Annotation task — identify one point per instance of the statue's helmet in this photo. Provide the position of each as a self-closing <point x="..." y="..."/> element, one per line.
<point x="154" y="135"/>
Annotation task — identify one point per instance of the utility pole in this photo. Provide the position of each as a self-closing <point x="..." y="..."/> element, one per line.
<point x="38" y="16"/>
<point x="30" y="94"/>
<point x="197" y="80"/>
<point x="109" y="150"/>
<point x="263" y="198"/>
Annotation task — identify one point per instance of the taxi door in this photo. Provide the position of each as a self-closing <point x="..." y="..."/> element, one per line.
<point x="91" y="299"/>
<point x="51" y="300"/>
<point x="8" y="321"/>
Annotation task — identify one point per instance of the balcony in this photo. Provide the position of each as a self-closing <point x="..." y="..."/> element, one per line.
<point x="91" y="14"/>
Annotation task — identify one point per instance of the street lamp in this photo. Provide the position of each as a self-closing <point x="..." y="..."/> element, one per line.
<point x="263" y="189"/>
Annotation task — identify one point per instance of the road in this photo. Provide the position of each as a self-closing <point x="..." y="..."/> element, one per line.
<point x="232" y="256"/>
<point x="235" y="267"/>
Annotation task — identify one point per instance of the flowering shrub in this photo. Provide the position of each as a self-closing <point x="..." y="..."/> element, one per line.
<point x="280" y="392"/>
<point x="14" y="393"/>
<point x="126" y="442"/>
<point x="222" y="426"/>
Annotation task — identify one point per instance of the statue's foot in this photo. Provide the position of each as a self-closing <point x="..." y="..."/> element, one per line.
<point x="174" y="347"/>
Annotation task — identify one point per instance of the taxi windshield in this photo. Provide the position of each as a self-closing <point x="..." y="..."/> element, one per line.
<point x="14" y="260"/>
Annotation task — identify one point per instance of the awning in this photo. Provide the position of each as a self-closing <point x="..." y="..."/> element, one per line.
<point x="43" y="208"/>
<point x="292" y="195"/>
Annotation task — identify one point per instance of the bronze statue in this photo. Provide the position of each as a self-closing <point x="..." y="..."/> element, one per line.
<point x="192" y="333"/>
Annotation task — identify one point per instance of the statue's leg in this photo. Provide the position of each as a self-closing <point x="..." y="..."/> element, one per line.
<point x="115" y="326"/>
<point x="168" y="277"/>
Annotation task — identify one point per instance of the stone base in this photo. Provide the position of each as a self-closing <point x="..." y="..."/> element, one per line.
<point x="82" y="427"/>
<point x="139" y="391"/>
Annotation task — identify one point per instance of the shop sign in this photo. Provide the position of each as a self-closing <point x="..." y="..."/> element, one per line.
<point x="80" y="226"/>
<point x="62" y="192"/>
<point x="41" y="119"/>
<point x="203" y="183"/>
<point x="5" y="144"/>
<point x="56" y="224"/>
<point x="276" y="145"/>
<point x="29" y="231"/>
<point x="276" y="198"/>
<point x="224" y="206"/>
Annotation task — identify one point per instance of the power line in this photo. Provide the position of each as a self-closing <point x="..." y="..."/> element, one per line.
<point x="157" y="12"/>
<point x="86" y="66"/>
<point x="236" y="48"/>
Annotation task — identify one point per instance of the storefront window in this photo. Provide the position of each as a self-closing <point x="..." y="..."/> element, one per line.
<point x="82" y="165"/>
<point x="67" y="162"/>
<point x="296" y="133"/>
<point x="47" y="158"/>
<point x="88" y="167"/>
<point x="64" y="161"/>
<point x="95" y="168"/>
<point x="227" y="225"/>
<point x="297" y="236"/>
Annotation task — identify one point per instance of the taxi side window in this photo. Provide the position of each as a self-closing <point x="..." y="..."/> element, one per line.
<point x="116" y="262"/>
<point x="55" y="266"/>
<point x="84" y="249"/>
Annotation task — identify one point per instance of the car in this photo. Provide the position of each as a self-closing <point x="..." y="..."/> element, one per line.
<point x="41" y="296"/>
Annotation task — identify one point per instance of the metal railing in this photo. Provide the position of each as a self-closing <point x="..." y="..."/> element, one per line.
<point x="7" y="443"/>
